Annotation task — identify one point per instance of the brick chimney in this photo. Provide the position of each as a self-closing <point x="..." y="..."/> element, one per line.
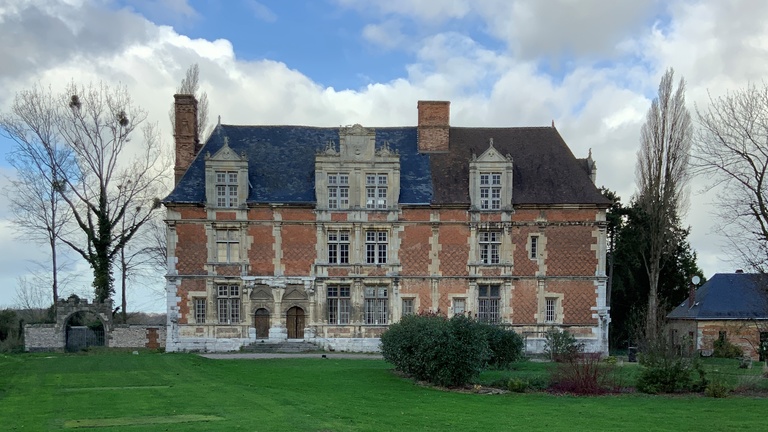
<point x="434" y="126"/>
<point x="185" y="135"/>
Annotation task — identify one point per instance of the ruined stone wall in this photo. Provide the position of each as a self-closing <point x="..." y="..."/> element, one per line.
<point x="42" y="337"/>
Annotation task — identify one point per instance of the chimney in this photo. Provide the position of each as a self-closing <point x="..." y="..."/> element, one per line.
<point x="691" y="295"/>
<point x="434" y="125"/>
<point x="185" y="133"/>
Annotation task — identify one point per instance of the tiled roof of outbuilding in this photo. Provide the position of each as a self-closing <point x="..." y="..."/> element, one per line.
<point x="728" y="296"/>
<point x="281" y="165"/>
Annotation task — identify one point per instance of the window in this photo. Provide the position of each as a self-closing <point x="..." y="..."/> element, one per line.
<point x="338" y="191"/>
<point x="376" y="191"/>
<point x="375" y="305"/>
<point x="200" y="310"/>
<point x="226" y="189"/>
<point x="229" y="304"/>
<point x="459" y="306"/>
<point x="338" y="247"/>
<point x="534" y="247"/>
<point x="489" y="247"/>
<point x="490" y="191"/>
<point x="550" y="313"/>
<point x="227" y="246"/>
<point x="407" y="306"/>
<point x="376" y="247"/>
<point x="488" y="303"/>
<point x="338" y="304"/>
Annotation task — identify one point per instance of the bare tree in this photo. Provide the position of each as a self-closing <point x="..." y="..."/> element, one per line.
<point x="116" y="187"/>
<point x="732" y="150"/>
<point x="42" y="163"/>
<point x="190" y="85"/>
<point x="662" y="177"/>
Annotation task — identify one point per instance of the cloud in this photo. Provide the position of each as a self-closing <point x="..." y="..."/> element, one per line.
<point x="590" y="66"/>
<point x="261" y="12"/>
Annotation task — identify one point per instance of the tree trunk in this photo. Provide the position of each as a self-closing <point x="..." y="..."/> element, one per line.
<point x="123" y="268"/>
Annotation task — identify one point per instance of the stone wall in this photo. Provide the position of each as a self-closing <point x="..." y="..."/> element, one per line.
<point x="137" y="336"/>
<point x="42" y="337"/>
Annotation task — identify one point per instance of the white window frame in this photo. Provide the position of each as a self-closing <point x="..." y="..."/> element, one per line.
<point x="408" y="306"/>
<point x="338" y="191"/>
<point x="228" y="242"/>
<point x="490" y="191"/>
<point x="376" y="189"/>
<point x="550" y="309"/>
<point x="339" y="304"/>
<point x="338" y="246"/>
<point x="489" y="303"/>
<point x="376" y="246"/>
<point x="459" y="306"/>
<point x="490" y="246"/>
<point x="376" y="304"/>
<point x="534" y="251"/>
<point x="226" y="188"/>
<point x="228" y="302"/>
<point x="201" y="306"/>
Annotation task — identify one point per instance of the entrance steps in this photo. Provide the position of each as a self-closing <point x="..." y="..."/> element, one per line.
<point x="299" y="346"/>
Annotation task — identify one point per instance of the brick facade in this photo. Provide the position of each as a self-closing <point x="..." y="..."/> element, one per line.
<point x="393" y="255"/>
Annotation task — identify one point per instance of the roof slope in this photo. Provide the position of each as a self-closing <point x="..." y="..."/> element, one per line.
<point x="728" y="296"/>
<point x="282" y="161"/>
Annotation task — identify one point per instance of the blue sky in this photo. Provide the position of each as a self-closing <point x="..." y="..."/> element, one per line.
<point x="590" y="66"/>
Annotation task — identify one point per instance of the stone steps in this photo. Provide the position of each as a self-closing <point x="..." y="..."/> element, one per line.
<point x="280" y="347"/>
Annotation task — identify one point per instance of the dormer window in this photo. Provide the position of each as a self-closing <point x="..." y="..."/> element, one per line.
<point x="226" y="178"/>
<point x="376" y="191"/>
<point x="226" y="189"/>
<point x="490" y="181"/>
<point x="490" y="191"/>
<point x="338" y="191"/>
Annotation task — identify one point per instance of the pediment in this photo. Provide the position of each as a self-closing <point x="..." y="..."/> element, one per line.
<point x="295" y="294"/>
<point x="357" y="143"/>
<point x="262" y="293"/>
<point x="227" y="154"/>
<point x="492" y="155"/>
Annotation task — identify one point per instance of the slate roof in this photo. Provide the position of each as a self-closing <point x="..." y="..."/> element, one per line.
<point x="282" y="160"/>
<point x="728" y="296"/>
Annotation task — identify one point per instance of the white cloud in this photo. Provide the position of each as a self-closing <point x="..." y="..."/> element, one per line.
<point x="598" y="99"/>
<point x="261" y="12"/>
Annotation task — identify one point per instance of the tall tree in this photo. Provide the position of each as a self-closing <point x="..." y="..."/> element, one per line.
<point x="116" y="186"/>
<point x="42" y="164"/>
<point x="662" y="176"/>
<point x="732" y="150"/>
<point x="190" y="85"/>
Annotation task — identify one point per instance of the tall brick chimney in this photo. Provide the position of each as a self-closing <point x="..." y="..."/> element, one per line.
<point x="434" y="126"/>
<point x="185" y="135"/>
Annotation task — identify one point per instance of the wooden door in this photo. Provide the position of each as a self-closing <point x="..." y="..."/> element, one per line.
<point x="261" y="322"/>
<point x="295" y="323"/>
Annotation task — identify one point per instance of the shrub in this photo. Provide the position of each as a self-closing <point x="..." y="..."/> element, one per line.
<point x="670" y="375"/>
<point x="517" y="385"/>
<point x="561" y="345"/>
<point x="584" y="373"/>
<point x="435" y="349"/>
<point x="506" y="346"/>
<point x="725" y="349"/>
<point x="717" y="388"/>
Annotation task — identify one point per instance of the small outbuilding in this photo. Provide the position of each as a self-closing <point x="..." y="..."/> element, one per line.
<point x="730" y="307"/>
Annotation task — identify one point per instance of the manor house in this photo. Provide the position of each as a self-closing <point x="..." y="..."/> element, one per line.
<point x="330" y="234"/>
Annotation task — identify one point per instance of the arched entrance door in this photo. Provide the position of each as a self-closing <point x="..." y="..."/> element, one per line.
<point x="261" y="322"/>
<point x="295" y="323"/>
<point x="83" y="329"/>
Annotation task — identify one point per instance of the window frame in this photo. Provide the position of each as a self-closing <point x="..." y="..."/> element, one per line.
<point x="455" y="302"/>
<point x="228" y="303"/>
<point x="338" y="247"/>
<point x="226" y="188"/>
<point x="200" y="306"/>
<point x="231" y="244"/>
<point x="339" y="304"/>
<point x="376" y="246"/>
<point x="376" y="191"/>
<point x="490" y="190"/>
<point x="375" y="304"/>
<point x="534" y="249"/>
<point x="550" y="309"/>
<point x="489" y="243"/>
<point x="489" y="303"/>
<point x="408" y="306"/>
<point x="338" y="191"/>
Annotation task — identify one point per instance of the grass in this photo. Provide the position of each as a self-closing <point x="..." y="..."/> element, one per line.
<point x="153" y="392"/>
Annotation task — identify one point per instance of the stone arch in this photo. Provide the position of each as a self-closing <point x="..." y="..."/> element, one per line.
<point x="66" y="309"/>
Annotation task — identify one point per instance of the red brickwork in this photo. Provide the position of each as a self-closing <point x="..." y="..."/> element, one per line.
<point x="187" y="285"/>
<point x="298" y="248"/>
<point x="454" y="249"/>
<point x="191" y="248"/>
<point x="570" y="252"/>
<point x="434" y="126"/>
<point x="262" y="252"/>
<point x="578" y="297"/>
<point x="415" y="248"/>
<point x="524" y="302"/>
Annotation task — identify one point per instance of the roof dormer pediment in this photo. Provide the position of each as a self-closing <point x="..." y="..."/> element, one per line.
<point x="226" y="154"/>
<point x="492" y="155"/>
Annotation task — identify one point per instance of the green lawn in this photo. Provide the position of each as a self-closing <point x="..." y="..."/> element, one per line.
<point x="146" y="392"/>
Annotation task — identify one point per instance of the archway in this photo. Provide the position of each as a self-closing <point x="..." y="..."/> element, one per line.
<point x="261" y="323"/>
<point x="83" y="329"/>
<point x="295" y="322"/>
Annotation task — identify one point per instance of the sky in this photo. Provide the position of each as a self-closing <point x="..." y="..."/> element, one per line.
<point x="590" y="66"/>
